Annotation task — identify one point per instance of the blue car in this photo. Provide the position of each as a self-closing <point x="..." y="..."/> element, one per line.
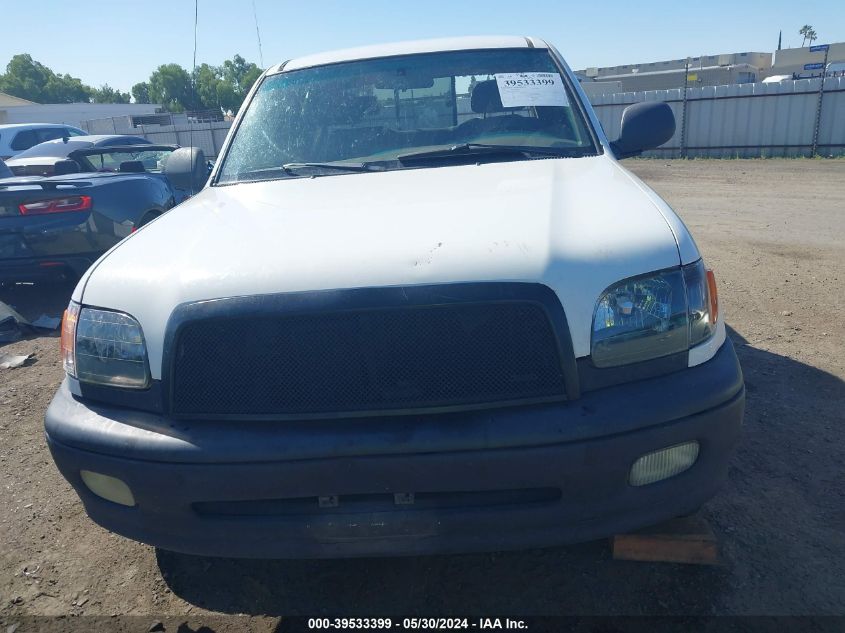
<point x="54" y="228"/>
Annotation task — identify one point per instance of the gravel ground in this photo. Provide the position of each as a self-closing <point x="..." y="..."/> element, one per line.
<point x="772" y="230"/>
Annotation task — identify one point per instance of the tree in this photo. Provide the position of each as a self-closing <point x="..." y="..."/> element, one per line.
<point x="107" y="94"/>
<point x="29" y="79"/>
<point x="26" y="78"/>
<point x="66" y="89"/>
<point x="806" y="31"/>
<point x="170" y="85"/>
<point x="226" y="97"/>
<point x="240" y="75"/>
<point x="812" y="36"/>
<point x="208" y="87"/>
<point x="224" y="86"/>
<point x="206" y="80"/>
<point x="141" y="92"/>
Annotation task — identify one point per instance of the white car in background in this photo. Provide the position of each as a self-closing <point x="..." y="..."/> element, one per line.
<point x="392" y="325"/>
<point x="777" y="79"/>
<point x="835" y="69"/>
<point x="17" y="137"/>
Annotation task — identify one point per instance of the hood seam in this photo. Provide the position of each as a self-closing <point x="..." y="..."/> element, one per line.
<point x="639" y="184"/>
<point x="90" y="272"/>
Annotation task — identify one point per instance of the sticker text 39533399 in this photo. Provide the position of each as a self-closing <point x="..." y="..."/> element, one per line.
<point x="531" y="89"/>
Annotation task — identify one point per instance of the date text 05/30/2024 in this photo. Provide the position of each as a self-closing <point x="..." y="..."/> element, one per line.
<point x="431" y="624"/>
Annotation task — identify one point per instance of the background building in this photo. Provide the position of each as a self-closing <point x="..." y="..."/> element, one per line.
<point x="674" y="78"/>
<point x="791" y="61"/>
<point x="9" y="100"/>
<point x="15" y="110"/>
<point x="708" y="70"/>
<point x="757" y="60"/>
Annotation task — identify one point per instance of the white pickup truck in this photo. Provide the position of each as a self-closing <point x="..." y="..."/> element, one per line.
<point x="419" y="307"/>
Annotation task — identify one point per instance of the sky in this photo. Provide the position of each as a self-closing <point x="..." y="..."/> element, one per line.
<point x="120" y="42"/>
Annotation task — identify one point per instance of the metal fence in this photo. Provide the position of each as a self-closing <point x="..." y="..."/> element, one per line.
<point x="208" y="136"/>
<point x="791" y="118"/>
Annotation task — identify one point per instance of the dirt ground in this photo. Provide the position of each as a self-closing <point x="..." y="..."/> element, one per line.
<point x="773" y="231"/>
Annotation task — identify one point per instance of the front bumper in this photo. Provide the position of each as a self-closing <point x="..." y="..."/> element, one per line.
<point x="484" y="480"/>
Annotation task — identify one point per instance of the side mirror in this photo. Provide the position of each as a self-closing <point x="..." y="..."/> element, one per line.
<point x="186" y="169"/>
<point x="645" y="125"/>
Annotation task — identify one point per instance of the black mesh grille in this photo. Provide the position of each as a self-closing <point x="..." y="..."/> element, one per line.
<point x="366" y="360"/>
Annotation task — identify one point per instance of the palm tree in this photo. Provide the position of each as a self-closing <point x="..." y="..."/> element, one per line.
<point x="811" y="35"/>
<point x="805" y="31"/>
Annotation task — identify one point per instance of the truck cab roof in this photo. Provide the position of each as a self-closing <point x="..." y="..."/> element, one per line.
<point x="409" y="48"/>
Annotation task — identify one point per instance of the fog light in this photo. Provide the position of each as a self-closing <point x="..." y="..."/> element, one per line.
<point x="109" y="488"/>
<point x="663" y="464"/>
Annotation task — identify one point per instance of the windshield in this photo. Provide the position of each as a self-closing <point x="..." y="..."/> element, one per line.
<point x="148" y="159"/>
<point x="378" y="111"/>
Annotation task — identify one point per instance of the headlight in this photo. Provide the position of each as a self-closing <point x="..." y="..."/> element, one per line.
<point x="104" y="347"/>
<point x="654" y="315"/>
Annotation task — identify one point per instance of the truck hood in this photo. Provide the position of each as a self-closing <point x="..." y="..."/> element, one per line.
<point x="575" y="225"/>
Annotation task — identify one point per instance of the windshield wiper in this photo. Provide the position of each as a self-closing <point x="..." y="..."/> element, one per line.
<point x="464" y="149"/>
<point x="294" y="167"/>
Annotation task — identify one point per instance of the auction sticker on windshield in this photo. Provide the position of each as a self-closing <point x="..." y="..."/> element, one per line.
<point x="531" y="89"/>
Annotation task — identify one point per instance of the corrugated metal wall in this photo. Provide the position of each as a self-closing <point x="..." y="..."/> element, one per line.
<point x="746" y="120"/>
<point x="208" y="136"/>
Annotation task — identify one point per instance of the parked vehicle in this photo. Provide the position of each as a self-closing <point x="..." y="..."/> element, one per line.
<point x="391" y="325"/>
<point x="5" y="172"/>
<point x="17" y="137"/>
<point x="835" y="69"/>
<point x="57" y="227"/>
<point x="777" y="79"/>
<point x="40" y="159"/>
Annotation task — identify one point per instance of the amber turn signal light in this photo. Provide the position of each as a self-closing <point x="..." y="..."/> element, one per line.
<point x="713" y="293"/>
<point x="67" y="342"/>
